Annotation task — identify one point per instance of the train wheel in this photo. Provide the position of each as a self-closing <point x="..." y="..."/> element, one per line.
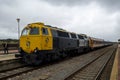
<point x="26" y="59"/>
<point x="32" y="59"/>
<point x="48" y="59"/>
<point x="55" y="56"/>
<point x="63" y="54"/>
<point x="36" y="60"/>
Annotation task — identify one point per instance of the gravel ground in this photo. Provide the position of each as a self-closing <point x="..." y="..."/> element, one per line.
<point x="61" y="67"/>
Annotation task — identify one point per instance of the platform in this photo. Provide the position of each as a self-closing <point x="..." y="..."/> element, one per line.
<point x="115" y="74"/>
<point x="7" y="57"/>
<point x="9" y="51"/>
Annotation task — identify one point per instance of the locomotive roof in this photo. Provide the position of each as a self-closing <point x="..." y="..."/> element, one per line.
<point x="52" y="27"/>
<point x="96" y="39"/>
<point x="56" y="28"/>
<point x="49" y="26"/>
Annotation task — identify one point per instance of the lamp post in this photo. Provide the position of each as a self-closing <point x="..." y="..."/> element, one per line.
<point x="18" y="20"/>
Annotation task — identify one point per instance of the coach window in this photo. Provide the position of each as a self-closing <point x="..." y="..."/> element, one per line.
<point x="80" y="37"/>
<point x="44" y="31"/>
<point x="62" y="34"/>
<point x="73" y="35"/>
<point x="54" y="33"/>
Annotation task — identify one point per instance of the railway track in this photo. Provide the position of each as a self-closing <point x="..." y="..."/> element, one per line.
<point x="94" y="70"/>
<point x="15" y="72"/>
<point x="60" y="70"/>
<point x="69" y="73"/>
<point x="8" y="61"/>
<point x="106" y="71"/>
<point x="10" y="64"/>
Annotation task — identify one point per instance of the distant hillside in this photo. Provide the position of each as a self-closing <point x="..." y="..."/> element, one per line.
<point x="12" y="41"/>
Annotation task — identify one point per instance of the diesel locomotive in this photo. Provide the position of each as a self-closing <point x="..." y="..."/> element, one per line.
<point x="40" y="42"/>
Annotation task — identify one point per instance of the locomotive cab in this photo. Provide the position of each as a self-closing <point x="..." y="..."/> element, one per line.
<point x="35" y="38"/>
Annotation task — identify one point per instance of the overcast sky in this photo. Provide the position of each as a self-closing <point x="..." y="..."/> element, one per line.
<point x="96" y="18"/>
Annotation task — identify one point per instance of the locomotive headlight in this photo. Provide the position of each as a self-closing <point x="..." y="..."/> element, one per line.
<point x="35" y="50"/>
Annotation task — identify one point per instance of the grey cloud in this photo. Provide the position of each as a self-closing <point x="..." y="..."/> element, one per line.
<point x="8" y="2"/>
<point x="117" y="28"/>
<point x="60" y="16"/>
<point x="110" y="5"/>
<point x="69" y="2"/>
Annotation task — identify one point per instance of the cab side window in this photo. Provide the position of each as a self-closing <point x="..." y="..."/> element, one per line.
<point x="44" y="31"/>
